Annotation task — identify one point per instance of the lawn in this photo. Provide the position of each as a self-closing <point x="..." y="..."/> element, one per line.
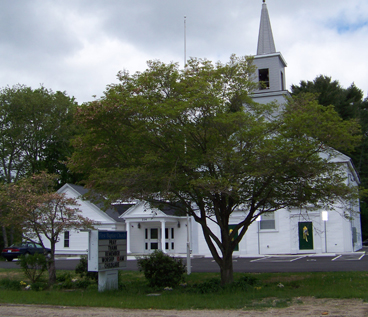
<point x="200" y="290"/>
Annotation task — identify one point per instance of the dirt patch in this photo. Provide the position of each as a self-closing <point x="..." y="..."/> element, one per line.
<point x="306" y="306"/>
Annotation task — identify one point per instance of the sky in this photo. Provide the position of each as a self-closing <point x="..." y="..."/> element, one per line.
<point x="79" y="46"/>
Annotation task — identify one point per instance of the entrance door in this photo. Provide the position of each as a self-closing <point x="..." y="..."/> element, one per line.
<point x="169" y="239"/>
<point x="305" y="235"/>
<point x="152" y="239"/>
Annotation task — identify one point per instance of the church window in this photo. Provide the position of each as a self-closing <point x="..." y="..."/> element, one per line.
<point x="268" y="221"/>
<point x="66" y="239"/>
<point x="264" y="78"/>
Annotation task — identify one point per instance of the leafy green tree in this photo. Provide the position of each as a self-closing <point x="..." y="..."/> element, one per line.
<point x="35" y="131"/>
<point x="329" y="92"/>
<point x="42" y="213"/>
<point x="350" y="104"/>
<point x="194" y="139"/>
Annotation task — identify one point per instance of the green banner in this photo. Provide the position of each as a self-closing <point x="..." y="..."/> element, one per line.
<point x="231" y="228"/>
<point x="305" y="235"/>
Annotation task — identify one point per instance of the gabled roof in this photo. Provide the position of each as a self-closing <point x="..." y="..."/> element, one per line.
<point x="266" y="44"/>
<point x="153" y="210"/>
<point x="113" y="212"/>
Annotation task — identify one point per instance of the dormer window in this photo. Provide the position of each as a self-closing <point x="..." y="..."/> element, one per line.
<point x="263" y="78"/>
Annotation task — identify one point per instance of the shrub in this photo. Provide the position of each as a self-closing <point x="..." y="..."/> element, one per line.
<point x="245" y="282"/>
<point x="10" y="284"/>
<point x="33" y="266"/>
<point x="62" y="277"/>
<point x="162" y="270"/>
<point x="213" y="285"/>
<point x="39" y="286"/>
<point x="82" y="269"/>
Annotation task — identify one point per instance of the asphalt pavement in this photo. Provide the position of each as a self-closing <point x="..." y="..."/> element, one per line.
<point x="357" y="261"/>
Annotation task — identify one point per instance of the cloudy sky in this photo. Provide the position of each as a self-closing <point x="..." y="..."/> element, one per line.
<point x="78" y="46"/>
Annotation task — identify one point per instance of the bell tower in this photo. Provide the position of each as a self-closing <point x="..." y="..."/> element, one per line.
<point x="270" y="73"/>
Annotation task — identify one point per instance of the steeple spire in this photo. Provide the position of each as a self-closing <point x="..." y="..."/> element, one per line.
<point x="266" y="44"/>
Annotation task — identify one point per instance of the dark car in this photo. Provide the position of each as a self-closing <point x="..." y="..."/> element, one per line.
<point x="365" y="242"/>
<point x="24" y="248"/>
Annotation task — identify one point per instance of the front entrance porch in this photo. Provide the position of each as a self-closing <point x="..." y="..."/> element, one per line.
<point x="148" y="236"/>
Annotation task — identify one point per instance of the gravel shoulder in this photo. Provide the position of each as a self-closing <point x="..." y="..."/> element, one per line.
<point x="307" y="306"/>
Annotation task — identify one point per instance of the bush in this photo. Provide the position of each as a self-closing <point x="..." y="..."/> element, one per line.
<point x="33" y="266"/>
<point x="39" y="286"/>
<point x="62" y="277"/>
<point x="82" y="269"/>
<point x="245" y="282"/>
<point x="161" y="270"/>
<point x="10" y="284"/>
<point x="211" y="286"/>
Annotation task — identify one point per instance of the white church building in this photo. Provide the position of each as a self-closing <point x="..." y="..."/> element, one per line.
<point x="286" y="231"/>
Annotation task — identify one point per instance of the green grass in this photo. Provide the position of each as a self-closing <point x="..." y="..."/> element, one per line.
<point x="201" y="291"/>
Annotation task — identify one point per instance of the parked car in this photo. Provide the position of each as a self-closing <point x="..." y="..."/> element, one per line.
<point x="24" y="248"/>
<point x="365" y="242"/>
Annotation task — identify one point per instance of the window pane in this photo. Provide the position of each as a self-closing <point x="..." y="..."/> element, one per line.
<point x="166" y="233"/>
<point x="268" y="216"/>
<point x="172" y="233"/>
<point x="66" y="239"/>
<point x="154" y="246"/>
<point x="154" y="233"/>
<point x="267" y="224"/>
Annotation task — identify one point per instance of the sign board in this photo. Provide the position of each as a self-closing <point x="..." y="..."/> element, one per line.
<point x="107" y="250"/>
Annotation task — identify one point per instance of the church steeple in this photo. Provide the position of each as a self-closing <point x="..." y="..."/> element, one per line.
<point x="270" y="72"/>
<point x="266" y="44"/>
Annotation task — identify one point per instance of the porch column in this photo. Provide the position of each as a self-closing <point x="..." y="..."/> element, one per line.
<point x="163" y="236"/>
<point x="127" y="227"/>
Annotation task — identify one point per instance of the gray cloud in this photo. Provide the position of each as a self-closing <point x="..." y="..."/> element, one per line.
<point x="79" y="45"/>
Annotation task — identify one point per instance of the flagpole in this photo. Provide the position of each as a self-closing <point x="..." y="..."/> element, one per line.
<point x="185" y="42"/>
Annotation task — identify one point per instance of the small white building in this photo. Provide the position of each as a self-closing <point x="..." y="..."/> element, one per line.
<point x="76" y="241"/>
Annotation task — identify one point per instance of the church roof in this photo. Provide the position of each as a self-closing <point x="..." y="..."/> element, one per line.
<point x="266" y="44"/>
<point x="115" y="211"/>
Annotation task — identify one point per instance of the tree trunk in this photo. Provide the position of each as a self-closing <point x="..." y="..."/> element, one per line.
<point x="51" y="265"/>
<point x="226" y="269"/>
<point x="52" y="270"/>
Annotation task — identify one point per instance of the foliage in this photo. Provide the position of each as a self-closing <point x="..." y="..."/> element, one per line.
<point x="349" y="103"/>
<point x="35" y="129"/>
<point x="10" y="284"/>
<point x="194" y="138"/>
<point x="346" y="101"/>
<point x="43" y="214"/>
<point x="82" y="269"/>
<point x="162" y="270"/>
<point x="39" y="286"/>
<point x="265" y="293"/>
<point x="36" y="126"/>
<point x="33" y="266"/>
<point x="210" y="286"/>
